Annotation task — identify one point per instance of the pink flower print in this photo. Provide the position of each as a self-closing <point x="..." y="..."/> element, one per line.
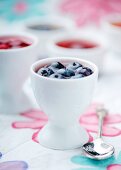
<point x="20" y="7"/>
<point x="114" y="167"/>
<point x="35" y="136"/>
<point x="38" y="119"/>
<point x="89" y="120"/>
<point x="86" y="11"/>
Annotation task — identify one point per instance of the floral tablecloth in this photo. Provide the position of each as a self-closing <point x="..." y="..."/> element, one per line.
<point x="19" y="147"/>
<point x="16" y="10"/>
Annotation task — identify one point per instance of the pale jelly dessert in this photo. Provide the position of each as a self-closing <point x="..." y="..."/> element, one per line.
<point x="12" y="42"/>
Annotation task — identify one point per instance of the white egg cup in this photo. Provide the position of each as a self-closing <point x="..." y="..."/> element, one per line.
<point x="95" y="55"/>
<point x="112" y="33"/>
<point x="63" y="101"/>
<point x="45" y="35"/>
<point x="14" y="70"/>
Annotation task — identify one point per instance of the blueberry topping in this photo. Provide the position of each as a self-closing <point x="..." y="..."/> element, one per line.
<point x="57" y="76"/>
<point x="78" y="69"/>
<point x="74" y="65"/>
<point x="66" y="72"/>
<point x="69" y="73"/>
<point x="45" y="72"/>
<point x="52" y="68"/>
<point x="50" y="71"/>
<point x="82" y="71"/>
<point x="57" y="65"/>
<point x="57" y="70"/>
<point x="85" y="71"/>
<point x="89" y="71"/>
<point x="62" y="71"/>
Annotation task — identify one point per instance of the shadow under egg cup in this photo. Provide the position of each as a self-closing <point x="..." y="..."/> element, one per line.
<point x="63" y="100"/>
<point x="14" y="70"/>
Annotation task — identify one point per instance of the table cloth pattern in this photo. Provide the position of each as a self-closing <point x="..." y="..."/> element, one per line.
<point x="89" y="11"/>
<point x="20" y="149"/>
<point x="17" y="10"/>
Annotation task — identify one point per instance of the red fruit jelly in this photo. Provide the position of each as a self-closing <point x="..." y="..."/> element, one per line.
<point x="118" y="24"/>
<point x="77" y="44"/>
<point x="13" y="42"/>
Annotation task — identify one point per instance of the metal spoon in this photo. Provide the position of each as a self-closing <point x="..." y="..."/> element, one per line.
<point x="98" y="149"/>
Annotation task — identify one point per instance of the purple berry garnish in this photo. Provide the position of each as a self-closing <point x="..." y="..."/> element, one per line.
<point x="69" y="73"/>
<point x="62" y="71"/>
<point x="85" y="71"/>
<point x="73" y="65"/>
<point x="45" y="71"/>
<point x="57" y="65"/>
<point x="78" y="70"/>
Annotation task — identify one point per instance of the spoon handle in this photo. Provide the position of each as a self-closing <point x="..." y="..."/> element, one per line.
<point x="101" y="113"/>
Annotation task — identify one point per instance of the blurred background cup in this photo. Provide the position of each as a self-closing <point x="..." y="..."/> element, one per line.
<point x="111" y="26"/>
<point x="47" y="27"/>
<point x="14" y="70"/>
<point x="77" y="45"/>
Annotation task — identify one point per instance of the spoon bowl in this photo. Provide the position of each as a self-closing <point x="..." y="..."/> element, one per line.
<point x="98" y="149"/>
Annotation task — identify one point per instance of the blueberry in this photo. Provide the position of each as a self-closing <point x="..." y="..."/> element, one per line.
<point x="66" y="72"/>
<point x="73" y="65"/>
<point x="57" y="76"/>
<point x="45" y="72"/>
<point x="85" y="71"/>
<point x="52" y="68"/>
<point x="77" y="76"/>
<point x="62" y="71"/>
<point x="57" y="65"/>
<point x="78" y="69"/>
<point x="89" y="71"/>
<point x="69" y="73"/>
<point x="50" y="71"/>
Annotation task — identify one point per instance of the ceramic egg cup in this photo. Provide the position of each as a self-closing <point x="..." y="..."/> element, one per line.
<point x="63" y="101"/>
<point x="14" y="70"/>
<point x="95" y="54"/>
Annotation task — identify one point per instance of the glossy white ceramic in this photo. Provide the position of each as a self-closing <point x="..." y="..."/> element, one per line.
<point x="14" y="70"/>
<point x="63" y="100"/>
